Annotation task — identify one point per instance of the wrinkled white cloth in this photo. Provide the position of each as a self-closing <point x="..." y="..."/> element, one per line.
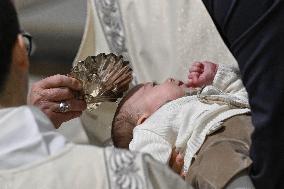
<point x="185" y="122"/>
<point x="170" y="35"/>
<point x="22" y="140"/>
<point x="33" y="155"/>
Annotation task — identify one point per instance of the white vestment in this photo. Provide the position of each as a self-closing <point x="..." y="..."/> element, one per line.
<point x="44" y="159"/>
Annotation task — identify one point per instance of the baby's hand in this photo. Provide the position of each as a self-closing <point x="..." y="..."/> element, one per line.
<point x="201" y="74"/>
<point x="176" y="163"/>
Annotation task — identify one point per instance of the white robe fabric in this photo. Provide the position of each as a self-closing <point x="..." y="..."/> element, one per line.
<point x="164" y="38"/>
<point x="22" y="141"/>
<point x="42" y="158"/>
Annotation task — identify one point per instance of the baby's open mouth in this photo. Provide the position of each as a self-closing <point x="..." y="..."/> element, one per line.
<point x="180" y="83"/>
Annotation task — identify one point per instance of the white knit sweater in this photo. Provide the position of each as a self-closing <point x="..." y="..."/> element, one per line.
<point x="185" y="122"/>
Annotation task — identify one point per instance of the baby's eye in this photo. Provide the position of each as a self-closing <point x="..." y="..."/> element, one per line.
<point x="154" y="83"/>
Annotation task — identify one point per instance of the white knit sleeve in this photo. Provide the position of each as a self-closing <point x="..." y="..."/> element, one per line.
<point x="149" y="142"/>
<point x="228" y="80"/>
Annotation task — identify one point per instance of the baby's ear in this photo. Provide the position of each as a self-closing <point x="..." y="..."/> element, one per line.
<point x="142" y="118"/>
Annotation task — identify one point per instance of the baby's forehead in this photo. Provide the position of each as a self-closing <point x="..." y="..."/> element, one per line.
<point x="133" y="93"/>
<point x="137" y="94"/>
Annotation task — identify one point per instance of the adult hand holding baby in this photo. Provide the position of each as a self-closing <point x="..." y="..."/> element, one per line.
<point x="57" y="97"/>
<point x="201" y="74"/>
<point x="176" y="163"/>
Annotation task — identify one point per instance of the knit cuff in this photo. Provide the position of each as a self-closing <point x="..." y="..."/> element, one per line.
<point x="225" y="75"/>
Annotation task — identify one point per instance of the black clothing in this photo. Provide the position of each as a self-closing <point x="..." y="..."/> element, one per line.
<point x="253" y="30"/>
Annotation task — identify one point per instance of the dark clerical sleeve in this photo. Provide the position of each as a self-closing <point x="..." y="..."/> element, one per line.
<point x="253" y="31"/>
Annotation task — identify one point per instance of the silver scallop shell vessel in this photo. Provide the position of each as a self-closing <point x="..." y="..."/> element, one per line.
<point x="104" y="77"/>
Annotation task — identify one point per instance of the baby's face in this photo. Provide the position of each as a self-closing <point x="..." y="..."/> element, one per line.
<point x="150" y="97"/>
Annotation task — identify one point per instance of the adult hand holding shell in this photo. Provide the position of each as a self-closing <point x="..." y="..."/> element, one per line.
<point x="57" y="97"/>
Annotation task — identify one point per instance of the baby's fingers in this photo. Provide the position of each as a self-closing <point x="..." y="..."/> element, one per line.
<point x="176" y="162"/>
<point x="199" y="64"/>
<point x="196" y="68"/>
<point x="194" y="76"/>
<point x="190" y="83"/>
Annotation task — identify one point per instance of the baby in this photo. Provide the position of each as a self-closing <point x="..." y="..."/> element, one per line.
<point x="156" y="118"/>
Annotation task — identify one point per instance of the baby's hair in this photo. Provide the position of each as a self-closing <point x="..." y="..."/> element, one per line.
<point x="124" y="121"/>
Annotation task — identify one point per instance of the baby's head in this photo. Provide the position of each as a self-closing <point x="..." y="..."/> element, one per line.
<point x="140" y="103"/>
